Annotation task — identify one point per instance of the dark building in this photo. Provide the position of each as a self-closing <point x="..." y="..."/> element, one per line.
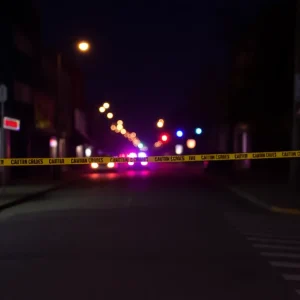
<point x="261" y="91"/>
<point x="50" y="125"/>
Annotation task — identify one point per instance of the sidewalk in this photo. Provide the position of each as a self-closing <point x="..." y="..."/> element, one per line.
<point x="26" y="189"/>
<point x="270" y="191"/>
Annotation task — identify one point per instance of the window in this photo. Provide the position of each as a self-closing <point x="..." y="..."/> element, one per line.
<point x="22" y="92"/>
<point x="23" y="43"/>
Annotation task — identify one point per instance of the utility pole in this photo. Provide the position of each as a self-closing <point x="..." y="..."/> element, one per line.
<point x="294" y="163"/>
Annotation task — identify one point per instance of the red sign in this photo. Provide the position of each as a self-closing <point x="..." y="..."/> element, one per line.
<point x="11" y="124"/>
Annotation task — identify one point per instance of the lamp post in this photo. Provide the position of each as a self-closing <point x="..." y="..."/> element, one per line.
<point x="82" y="46"/>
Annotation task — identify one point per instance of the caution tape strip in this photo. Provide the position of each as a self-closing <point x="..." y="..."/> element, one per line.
<point x="16" y="162"/>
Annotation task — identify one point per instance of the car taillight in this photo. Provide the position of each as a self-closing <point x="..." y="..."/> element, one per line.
<point x="94" y="165"/>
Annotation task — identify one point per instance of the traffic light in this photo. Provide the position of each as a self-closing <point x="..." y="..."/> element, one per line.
<point x="198" y="130"/>
<point x="164" y="137"/>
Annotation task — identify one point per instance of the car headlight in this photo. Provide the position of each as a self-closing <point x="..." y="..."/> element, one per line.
<point x="143" y="154"/>
<point x="94" y="165"/>
<point x="110" y="165"/>
<point x="131" y="155"/>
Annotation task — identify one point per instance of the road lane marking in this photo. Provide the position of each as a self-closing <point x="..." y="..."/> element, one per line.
<point x="280" y="254"/>
<point x="279" y="247"/>
<point x="267" y="235"/>
<point x="291" y="277"/>
<point x="270" y="240"/>
<point x="284" y="264"/>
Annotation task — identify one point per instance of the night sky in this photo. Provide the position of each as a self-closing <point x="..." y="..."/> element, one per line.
<point x="147" y="55"/>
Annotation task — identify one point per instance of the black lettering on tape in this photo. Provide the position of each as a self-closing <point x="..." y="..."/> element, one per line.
<point x="208" y="157"/>
<point x="34" y="161"/>
<point x="241" y="156"/>
<point x="161" y="158"/>
<point x="56" y="161"/>
<point x="271" y="155"/>
<point x="94" y="160"/>
<point x="177" y="158"/>
<point x="259" y="155"/>
<point x="192" y="158"/>
<point x="18" y="162"/>
<point x="79" y="161"/>
<point x="223" y="156"/>
<point x="289" y="153"/>
<point x="2" y="162"/>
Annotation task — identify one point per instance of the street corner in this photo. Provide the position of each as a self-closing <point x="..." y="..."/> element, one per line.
<point x="283" y="210"/>
<point x="255" y="200"/>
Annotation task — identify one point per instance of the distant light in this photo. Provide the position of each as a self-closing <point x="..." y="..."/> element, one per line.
<point x="110" y="165"/>
<point x="113" y="127"/>
<point x="88" y="152"/>
<point x="123" y="131"/>
<point x="83" y="46"/>
<point x="120" y="122"/>
<point x="119" y="127"/>
<point x="133" y="135"/>
<point x="94" y="165"/>
<point x="101" y="109"/>
<point x="191" y="143"/>
<point x="164" y="137"/>
<point x="198" y="130"/>
<point x="179" y="133"/>
<point x="140" y="145"/>
<point x="53" y="142"/>
<point x="110" y="115"/>
<point x="160" y="123"/>
<point x="106" y="105"/>
<point x="178" y="149"/>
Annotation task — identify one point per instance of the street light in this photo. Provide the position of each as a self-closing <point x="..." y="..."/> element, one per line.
<point x="106" y="105"/>
<point x="101" y="109"/>
<point x="160" y="123"/>
<point x="83" y="46"/>
<point x="110" y="115"/>
<point x="123" y="131"/>
<point x="113" y="127"/>
<point x="120" y="122"/>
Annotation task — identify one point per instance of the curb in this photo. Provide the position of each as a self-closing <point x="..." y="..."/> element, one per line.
<point x="35" y="196"/>
<point x="270" y="208"/>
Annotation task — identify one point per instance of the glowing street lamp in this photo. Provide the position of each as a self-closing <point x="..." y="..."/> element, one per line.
<point x="113" y="127"/>
<point x="191" y="143"/>
<point x="106" y="105"/>
<point x="160" y="123"/>
<point x="83" y="46"/>
<point x="110" y="115"/>
<point x="119" y="127"/>
<point x="123" y="131"/>
<point x="120" y="122"/>
<point x="101" y="109"/>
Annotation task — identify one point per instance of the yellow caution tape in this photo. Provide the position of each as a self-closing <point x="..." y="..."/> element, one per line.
<point x="17" y="162"/>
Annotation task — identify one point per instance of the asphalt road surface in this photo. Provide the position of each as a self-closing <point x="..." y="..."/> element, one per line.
<point x="161" y="234"/>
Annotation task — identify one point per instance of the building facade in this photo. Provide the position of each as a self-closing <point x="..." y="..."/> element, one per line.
<point x="41" y="98"/>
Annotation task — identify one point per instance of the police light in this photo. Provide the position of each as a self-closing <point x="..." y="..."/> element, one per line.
<point x="198" y="130"/>
<point x="179" y="133"/>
